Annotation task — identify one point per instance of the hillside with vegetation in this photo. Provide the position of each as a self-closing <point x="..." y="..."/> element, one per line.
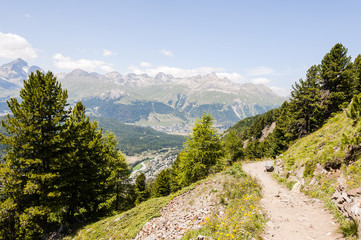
<point x="131" y="139"/>
<point x="61" y="170"/>
<point x="135" y="139"/>
<point x="62" y="176"/>
<point x="327" y="89"/>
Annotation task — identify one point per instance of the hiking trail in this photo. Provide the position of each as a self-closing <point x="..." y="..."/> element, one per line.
<point x="292" y="214"/>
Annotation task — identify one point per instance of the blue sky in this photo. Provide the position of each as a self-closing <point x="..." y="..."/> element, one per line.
<point x="269" y="42"/>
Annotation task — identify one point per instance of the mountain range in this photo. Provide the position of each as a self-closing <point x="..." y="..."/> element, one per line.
<point x="164" y="101"/>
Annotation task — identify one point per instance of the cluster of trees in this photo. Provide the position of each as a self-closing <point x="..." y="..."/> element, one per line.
<point x="327" y="89"/>
<point x="204" y="153"/>
<point x="59" y="167"/>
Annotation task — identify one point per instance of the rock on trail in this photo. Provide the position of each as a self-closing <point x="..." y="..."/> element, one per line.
<point x="292" y="214"/>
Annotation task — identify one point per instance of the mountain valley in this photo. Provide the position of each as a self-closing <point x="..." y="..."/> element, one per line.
<point x="163" y="102"/>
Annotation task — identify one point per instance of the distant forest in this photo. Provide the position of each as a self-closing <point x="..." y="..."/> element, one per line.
<point x="133" y="139"/>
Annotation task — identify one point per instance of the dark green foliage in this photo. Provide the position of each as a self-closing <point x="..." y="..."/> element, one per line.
<point x="310" y="167"/>
<point x="305" y="104"/>
<point x="244" y="125"/>
<point x="134" y="139"/>
<point x="33" y="155"/>
<point x="337" y="78"/>
<point x="141" y="188"/>
<point x="129" y="113"/>
<point x="350" y="228"/>
<point x="352" y="144"/>
<point x="252" y="151"/>
<point x="59" y="167"/>
<point x="203" y="151"/>
<point x="92" y="172"/>
<point x="357" y="68"/>
<point x="233" y="146"/>
<point x="201" y="156"/>
<point x="327" y="89"/>
<point x="175" y="174"/>
<point x="252" y="127"/>
<point x="355" y="108"/>
<point x="162" y="183"/>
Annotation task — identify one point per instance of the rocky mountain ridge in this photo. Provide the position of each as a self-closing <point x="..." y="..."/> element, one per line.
<point x="162" y="100"/>
<point x="12" y="74"/>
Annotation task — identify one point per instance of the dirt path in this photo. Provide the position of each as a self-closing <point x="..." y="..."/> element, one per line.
<point x="293" y="215"/>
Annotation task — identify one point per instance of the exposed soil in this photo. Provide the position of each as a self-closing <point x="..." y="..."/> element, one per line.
<point x="292" y="214"/>
<point x="184" y="212"/>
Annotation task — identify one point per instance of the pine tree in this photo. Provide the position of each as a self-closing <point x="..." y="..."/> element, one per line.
<point x="162" y="183"/>
<point x="305" y="103"/>
<point x="203" y="150"/>
<point x="92" y="171"/>
<point x="357" y="82"/>
<point x="141" y="188"/>
<point x="59" y="167"/>
<point x="337" y="78"/>
<point x="233" y="146"/>
<point x="29" y="196"/>
<point x="352" y="144"/>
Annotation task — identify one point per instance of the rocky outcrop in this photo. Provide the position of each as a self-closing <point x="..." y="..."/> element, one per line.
<point x="185" y="212"/>
<point x="348" y="202"/>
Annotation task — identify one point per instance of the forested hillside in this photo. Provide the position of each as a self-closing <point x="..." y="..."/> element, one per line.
<point x="134" y="139"/>
<point x="61" y="170"/>
<point x="327" y="89"/>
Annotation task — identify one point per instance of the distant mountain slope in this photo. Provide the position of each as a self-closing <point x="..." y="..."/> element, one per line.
<point x="134" y="139"/>
<point x="131" y="139"/>
<point x="12" y="74"/>
<point x="166" y="100"/>
<point x="162" y="100"/>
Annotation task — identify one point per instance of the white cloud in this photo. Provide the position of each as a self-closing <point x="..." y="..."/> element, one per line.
<point x="177" y="72"/>
<point x="166" y="53"/>
<point x="107" y="52"/>
<point x="145" y="64"/>
<point x="67" y="63"/>
<point x="14" y="46"/>
<point x="28" y="15"/>
<point x="263" y="81"/>
<point x="235" y="77"/>
<point x="181" y="72"/>
<point x="280" y="91"/>
<point x="259" y="71"/>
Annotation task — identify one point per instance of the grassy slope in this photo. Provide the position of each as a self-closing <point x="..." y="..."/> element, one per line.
<point x="325" y="145"/>
<point x="321" y="146"/>
<point x="242" y="217"/>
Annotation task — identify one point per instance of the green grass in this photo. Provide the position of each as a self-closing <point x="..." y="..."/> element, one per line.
<point x="242" y="217"/>
<point x="137" y="167"/>
<point x="284" y="181"/>
<point x="322" y="146"/>
<point x="126" y="225"/>
<point x="350" y="229"/>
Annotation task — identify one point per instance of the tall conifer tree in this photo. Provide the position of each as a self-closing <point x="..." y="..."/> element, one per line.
<point x="305" y="103"/>
<point x="33" y="155"/>
<point x="203" y="149"/>
<point x="337" y="78"/>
